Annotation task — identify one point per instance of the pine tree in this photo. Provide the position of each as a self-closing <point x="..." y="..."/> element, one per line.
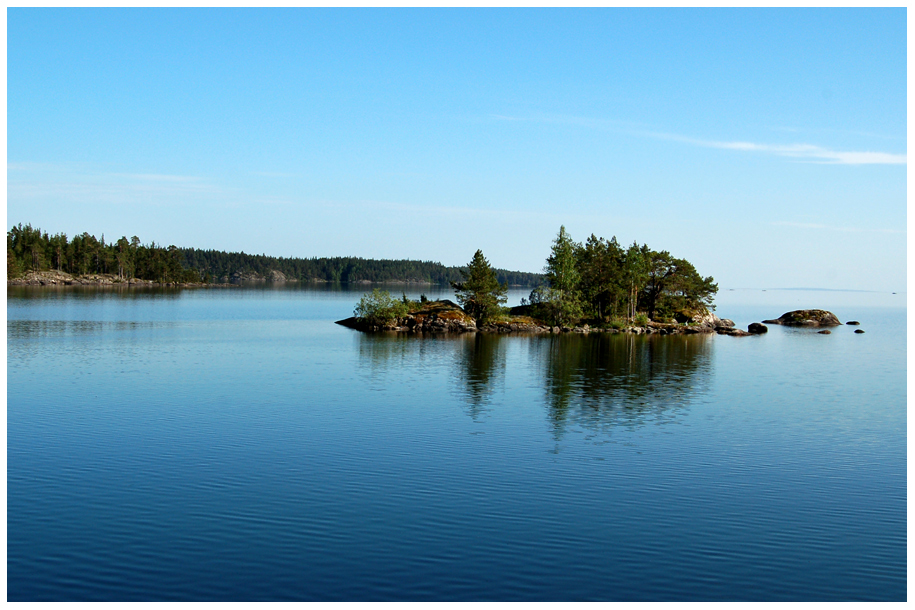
<point x="563" y="298"/>
<point x="480" y="294"/>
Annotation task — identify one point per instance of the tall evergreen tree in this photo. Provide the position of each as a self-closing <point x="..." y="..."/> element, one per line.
<point x="480" y="294"/>
<point x="562" y="300"/>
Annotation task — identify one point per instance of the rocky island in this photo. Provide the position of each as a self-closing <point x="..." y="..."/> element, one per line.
<point x="445" y="316"/>
<point x="806" y="317"/>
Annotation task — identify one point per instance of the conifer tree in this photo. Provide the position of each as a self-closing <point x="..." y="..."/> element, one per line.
<point x="480" y="294"/>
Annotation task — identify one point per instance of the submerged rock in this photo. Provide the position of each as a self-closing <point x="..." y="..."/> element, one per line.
<point x="825" y="332"/>
<point x="853" y="323"/>
<point x="806" y="317"/>
<point x="733" y="332"/>
<point x="859" y="331"/>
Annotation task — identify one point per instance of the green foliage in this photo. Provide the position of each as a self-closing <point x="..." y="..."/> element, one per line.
<point x="380" y="308"/>
<point x="640" y="319"/>
<point x="29" y="249"/>
<point x="338" y="269"/>
<point x="560" y="303"/>
<point x="554" y="306"/>
<point x="480" y="294"/>
<point x="601" y="280"/>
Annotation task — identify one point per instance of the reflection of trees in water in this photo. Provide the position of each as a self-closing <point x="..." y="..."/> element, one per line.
<point x="481" y="362"/>
<point x="598" y="382"/>
<point x="603" y="381"/>
<point x="476" y="360"/>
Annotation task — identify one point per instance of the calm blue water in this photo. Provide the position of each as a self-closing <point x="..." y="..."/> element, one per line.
<point x="237" y="445"/>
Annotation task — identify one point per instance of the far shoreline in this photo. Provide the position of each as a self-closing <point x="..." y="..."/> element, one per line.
<point x="61" y="279"/>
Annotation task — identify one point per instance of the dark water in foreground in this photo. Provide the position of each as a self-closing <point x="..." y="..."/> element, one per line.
<point x="237" y="445"/>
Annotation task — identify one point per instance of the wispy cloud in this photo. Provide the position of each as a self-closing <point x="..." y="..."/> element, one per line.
<point x="810" y="225"/>
<point x="31" y="181"/>
<point x="810" y="153"/>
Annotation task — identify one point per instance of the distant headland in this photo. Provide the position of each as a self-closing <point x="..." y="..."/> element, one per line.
<point x="33" y="257"/>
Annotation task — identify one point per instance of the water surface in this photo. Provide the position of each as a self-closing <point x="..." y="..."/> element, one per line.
<point x="235" y="444"/>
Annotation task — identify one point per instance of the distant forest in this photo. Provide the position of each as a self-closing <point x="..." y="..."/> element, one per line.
<point x="29" y="249"/>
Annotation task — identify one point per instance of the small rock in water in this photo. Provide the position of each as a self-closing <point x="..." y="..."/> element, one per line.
<point x="825" y="332"/>
<point x="859" y="331"/>
<point x="853" y="323"/>
<point x="757" y="329"/>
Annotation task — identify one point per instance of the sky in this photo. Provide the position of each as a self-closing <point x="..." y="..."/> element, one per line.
<point x="765" y="146"/>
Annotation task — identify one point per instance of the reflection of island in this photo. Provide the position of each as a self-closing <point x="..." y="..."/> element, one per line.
<point x="481" y="363"/>
<point x="608" y="381"/>
<point x="598" y="382"/>
<point x="388" y="350"/>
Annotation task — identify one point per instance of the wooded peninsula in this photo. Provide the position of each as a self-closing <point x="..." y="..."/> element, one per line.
<point x="32" y="250"/>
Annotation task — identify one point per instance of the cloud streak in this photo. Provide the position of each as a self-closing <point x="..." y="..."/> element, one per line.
<point x="31" y="181"/>
<point x="806" y="152"/>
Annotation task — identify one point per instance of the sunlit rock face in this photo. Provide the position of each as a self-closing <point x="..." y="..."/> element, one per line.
<point x="806" y="317"/>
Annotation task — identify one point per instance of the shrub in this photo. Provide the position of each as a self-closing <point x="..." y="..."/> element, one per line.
<point x="380" y="308"/>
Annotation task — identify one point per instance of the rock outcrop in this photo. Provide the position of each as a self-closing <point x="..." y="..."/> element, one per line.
<point x="806" y="317"/>
<point x="757" y="329"/>
<point x="60" y="278"/>
<point x="447" y="317"/>
<point x="432" y="317"/>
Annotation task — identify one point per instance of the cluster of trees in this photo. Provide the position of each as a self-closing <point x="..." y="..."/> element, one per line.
<point x="600" y="280"/>
<point x="29" y="249"/>
<point x="338" y="269"/>
<point x="597" y="281"/>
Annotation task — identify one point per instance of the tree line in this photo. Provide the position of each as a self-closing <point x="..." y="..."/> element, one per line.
<point x="600" y="280"/>
<point x="344" y="269"/>
<point x="30" y="249"/>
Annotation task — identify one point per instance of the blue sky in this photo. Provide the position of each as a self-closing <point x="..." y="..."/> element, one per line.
<point x="768" y="147"/>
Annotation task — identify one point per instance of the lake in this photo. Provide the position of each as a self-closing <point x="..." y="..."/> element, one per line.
<point x="236" y="444"/>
